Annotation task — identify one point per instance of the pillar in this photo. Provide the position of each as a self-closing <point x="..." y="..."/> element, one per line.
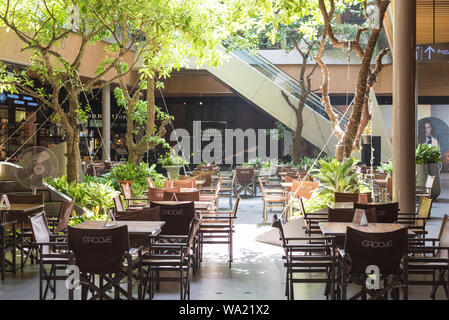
<point x="404" y="104"/>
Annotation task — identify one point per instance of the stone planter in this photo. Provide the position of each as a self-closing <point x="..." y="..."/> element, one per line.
<point x="422" y="170"/>
<point x="173" y="172"/>
<point x="434" y="170"/>
<point x="421" y="174"/>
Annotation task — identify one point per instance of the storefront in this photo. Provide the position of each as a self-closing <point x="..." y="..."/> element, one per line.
<point x="23" y="123"/>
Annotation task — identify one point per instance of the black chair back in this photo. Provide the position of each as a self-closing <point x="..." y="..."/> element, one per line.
<point x="384" y="250"/>
<point x="177" y="217"/>
<point x="147" y="214"/>
<point x="347" y="215"/>
<point x="41" y="232"/>
<point x="244" y="174"/>
<point x="385" y="212"/>
<point x="118" y="204"/>
<point x="99" y="251"/>
<point x="65" y="211"/>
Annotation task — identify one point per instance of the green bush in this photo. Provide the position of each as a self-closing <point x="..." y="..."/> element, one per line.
<point x="137" y="174"/>
<point x="171" y="159"/>
<point x="386" y="167"/>
<point x="426" y="153"/>
<point x="93" y="195"/>
<point x="338" y="176"/>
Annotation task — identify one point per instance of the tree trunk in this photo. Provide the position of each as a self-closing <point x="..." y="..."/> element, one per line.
<point x="72" y="156"/>
<point x="133" y="155"/>
<point x="296" y="156"/>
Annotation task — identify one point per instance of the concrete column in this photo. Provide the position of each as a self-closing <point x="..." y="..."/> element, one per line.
<point x="106" y="118"/>
<point x="404" y="104"/>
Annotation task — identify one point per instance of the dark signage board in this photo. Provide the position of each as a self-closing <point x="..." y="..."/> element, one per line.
<point x="432" y="52"/>
<point x="17" y="99"/>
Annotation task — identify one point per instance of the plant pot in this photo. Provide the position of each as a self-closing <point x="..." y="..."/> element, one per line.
<point x="421" y="174"/>
<point x="434" y="170"/>
<point x="173" y="172"/>
<point x="129" y="182"/>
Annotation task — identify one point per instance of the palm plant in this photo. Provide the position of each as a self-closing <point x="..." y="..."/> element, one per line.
<point x="338" y="176"/>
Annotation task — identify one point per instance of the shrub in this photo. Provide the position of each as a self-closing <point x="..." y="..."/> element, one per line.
<point x="426" y="153"/>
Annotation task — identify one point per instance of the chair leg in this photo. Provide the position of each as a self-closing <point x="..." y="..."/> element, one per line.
<point x="40" y="281"/>
<point x="2" y="256"/>
<point x="182" y="283"/>
<point x="264" y="211"/>
<point x="130" y="285"/>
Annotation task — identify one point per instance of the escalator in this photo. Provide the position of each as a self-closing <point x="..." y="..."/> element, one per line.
<point x="262" y="83"/>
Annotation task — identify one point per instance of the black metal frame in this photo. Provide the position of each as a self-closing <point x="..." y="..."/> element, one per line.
<point x="310" y="255"/>
<point x="8" y="243"/>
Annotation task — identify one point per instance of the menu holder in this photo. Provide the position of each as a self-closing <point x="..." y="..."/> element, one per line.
<point x="112" y="223"/>
<point x="4" y="202"/>
<point x="360" y="218"/>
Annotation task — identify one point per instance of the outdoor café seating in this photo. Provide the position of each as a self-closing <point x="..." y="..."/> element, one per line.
<point x="53" y="255"/>
<point x="130" y="198"/>
<point x="417" y="221"/>
<point x="382" y="253"/>
<point x="430" y="257"/>
<point x="303" y="257"/>
<point x="109" y="256"/>
<point x="176" y="255"/>
<point x="244" y="181"/>
<point x="217" y="227"/>
<point x="385" y="212"/>
<point x="8" y="243"/>
<point x="61" y="222"/>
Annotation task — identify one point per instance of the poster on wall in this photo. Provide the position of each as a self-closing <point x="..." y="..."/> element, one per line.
<point x="434" y="131"/>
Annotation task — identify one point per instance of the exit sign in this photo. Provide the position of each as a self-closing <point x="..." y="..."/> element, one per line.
<point x="432" y="52"/>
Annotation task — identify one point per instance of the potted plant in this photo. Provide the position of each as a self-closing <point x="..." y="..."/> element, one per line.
<point x="427" y="163"/>
<point x="172" y="163"/>
<point x="335" y="176"/>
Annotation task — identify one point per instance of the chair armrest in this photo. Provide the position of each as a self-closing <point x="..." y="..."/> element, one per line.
<point x="135" y="250"/>
<point x="53" y="243"/>
<point x="10" y="223"/>
<point x="217" y="217"/>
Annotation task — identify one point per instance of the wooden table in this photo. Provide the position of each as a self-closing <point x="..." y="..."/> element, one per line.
<point x="338" y="229"/>
<point x="200" y="182"/>
<point x="21" y="209"/>
<point x="287" y="185"/>
<point x="152" y="228"/>
<point x="20" y="212"/>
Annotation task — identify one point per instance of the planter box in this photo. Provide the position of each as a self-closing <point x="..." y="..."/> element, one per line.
<point x="173" y="172"/>
<point x="423" y="170"/>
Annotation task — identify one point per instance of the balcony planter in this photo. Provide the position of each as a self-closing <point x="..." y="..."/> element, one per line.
<point x="173" y="171"/>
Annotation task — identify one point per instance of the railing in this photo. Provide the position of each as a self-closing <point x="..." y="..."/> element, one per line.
<point x="284" y="81"/>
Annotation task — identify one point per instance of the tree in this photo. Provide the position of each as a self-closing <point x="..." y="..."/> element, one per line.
<point x="349" y="139"/>
<point x="321" y="14"/>
<point x="179" y="31"/>
<point x="47" y="26"/>
<point x="293" y="38"/>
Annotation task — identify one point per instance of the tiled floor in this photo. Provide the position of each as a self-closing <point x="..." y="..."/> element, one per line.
<point x="256" y="274"/>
